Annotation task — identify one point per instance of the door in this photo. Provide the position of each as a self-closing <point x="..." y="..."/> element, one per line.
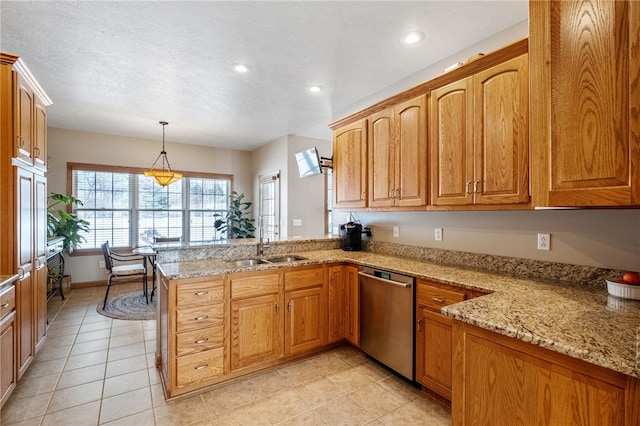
<point x="269" y="193"/>
<point x="40" y="271"/>
<point x="256" y="330"/>
<point x="352" y="305"/>
<point x="411" y="153"/>
<point x="336" y="304"/>
<point x="382" y="162"/>
<point x="350" y="165"/>
<point x="434" y="351"/>
<point x="451" y="126"/>
<point x="305" y="320"/>
<point x="501" y="135"/>
<point x="585" y="127"/>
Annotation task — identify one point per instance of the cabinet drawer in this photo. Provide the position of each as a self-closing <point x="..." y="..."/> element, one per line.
<point x="200" y="293"/>
<point x="199" y="340"/>
<point x="435" y="297"/>
<point x="199" y="317"/>
<point x="200" y="366"/>
<point x="303" y="278"/>
<point x="7" y="300"/>
<point x="254" y="285"/>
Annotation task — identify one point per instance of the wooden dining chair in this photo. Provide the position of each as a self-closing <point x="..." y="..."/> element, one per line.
<point x="121" y="269"/>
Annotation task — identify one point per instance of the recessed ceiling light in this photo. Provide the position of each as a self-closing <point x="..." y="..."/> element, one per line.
<point x="412" y="37"/>
<point x="241" y="68"/>
<point x="315" y="89"/>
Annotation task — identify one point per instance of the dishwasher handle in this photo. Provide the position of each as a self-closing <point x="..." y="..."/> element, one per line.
<point x="396" y="283"/>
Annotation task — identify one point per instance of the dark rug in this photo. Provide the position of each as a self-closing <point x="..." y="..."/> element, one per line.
<point x="129" y="306"/>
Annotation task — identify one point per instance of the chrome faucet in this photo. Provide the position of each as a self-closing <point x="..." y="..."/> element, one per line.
<point x="261" y="244"/>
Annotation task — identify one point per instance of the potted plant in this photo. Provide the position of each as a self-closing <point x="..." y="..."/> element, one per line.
<point x="61" y="223"/>
<point x="234" y="221"/>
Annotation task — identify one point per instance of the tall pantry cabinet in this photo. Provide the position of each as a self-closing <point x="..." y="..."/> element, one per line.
<point x="23" y="197"/>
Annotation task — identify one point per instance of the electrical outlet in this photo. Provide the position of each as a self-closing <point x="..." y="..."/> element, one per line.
<point x="544" y="241"/>
<point x="297" y="222"/>
<point x="438" y="234"/>
<point x="396" y="231"/>
<point x="101" y="264"/>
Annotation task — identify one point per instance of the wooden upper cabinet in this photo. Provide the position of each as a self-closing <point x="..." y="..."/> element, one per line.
<point x="501" y="133"/>
<point x="350" y="165"/>
<point x="398" y="155"/>
<point x="585" y="130"/>
<point x="480" y="138"/>
<point x="451" y="124"/>
<point x="24" y="121"/>
<point x="40" y="134"/>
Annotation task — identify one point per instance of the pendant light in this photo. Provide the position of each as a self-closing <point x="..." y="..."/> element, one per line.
<point x="163" y="176"/>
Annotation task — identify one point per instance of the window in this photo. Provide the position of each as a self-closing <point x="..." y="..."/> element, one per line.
<point x="328" y="186"/>
<point x="270" y="205"/>
<point x="128" y="209"/>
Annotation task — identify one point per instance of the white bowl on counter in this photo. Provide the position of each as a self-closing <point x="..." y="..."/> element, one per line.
<point x="626" y="291"/>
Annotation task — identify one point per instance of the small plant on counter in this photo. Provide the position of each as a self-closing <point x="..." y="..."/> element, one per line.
<point x="61" y="223"/>
<point x="235" y="222"/>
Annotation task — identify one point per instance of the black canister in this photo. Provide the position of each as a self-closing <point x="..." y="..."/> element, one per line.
<point x="351" y="236"/>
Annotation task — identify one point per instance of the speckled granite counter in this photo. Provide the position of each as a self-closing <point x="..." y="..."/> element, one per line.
<point x="575" y="319"/>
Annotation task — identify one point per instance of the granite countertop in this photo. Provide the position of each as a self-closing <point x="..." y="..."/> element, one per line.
<point x="580" y="321"/>
<point x="6" y="279"/>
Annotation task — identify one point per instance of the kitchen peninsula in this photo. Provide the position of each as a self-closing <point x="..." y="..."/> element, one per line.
<point x="565" y="309"/>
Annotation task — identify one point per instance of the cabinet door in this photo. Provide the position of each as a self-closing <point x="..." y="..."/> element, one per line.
<point x="433" y="352"/>
<point x="336" y="304"/>
<point x="256" y="330"/>
<point x="532" y="388"/>
<point x="24" y="219"/>
<point x="8" y="377"/>
<point x="382" y="163"/>
<point x="585" y="127"/>
<point x="352" y="305"/>
<point x="411" y="153"/>
<point x="451" y="130"/>
<point x="40" y="272"/>
<point x="24" y="322"/>
<point x="501" y="135"/>
<point x="305" y="326"/>
<point x="40" y="134"/>
<point x="24" y="121"/>
<point x="350" y="165"/>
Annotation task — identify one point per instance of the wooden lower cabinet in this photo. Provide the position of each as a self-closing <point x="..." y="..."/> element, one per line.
<point x="336" y="307"/>
<point x="498" y="380"/>
<point x="256" y="331"/>
<point x="434" y="347"/>
<point x="352" y="305"/>
<point x="191" y="332"/>
<point x="305" y="327"/>
<point x="8" y="377"/>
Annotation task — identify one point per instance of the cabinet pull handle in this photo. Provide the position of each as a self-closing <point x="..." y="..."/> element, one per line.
<point x="21" y="273"/>
<point x="201" y="293"/>
<point x="277" y="308"/>
<point x="4" y="305"/>
<point x="201" y="341"/>
<point x="201" y="318"/>
<point x="201" y="367"/>
<point x="438" y="299"/>
<point x="37" y="152"/>
<point x="398" y="191"/>
<point x="289" y="306"/>
<point x="475" y="186"/>
<point x="467" y="187"/>
<point x="420" y="323"/>
<point x="20" y="141"/>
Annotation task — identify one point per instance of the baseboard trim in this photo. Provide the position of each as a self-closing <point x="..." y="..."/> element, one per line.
<point x="87" y="284"/>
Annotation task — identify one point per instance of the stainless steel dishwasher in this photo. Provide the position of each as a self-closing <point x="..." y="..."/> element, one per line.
<point x="387" y="318"/>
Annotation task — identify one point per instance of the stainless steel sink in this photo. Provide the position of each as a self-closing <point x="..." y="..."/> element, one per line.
<point x="248" y="262"/>
<point x="284" y="259"/>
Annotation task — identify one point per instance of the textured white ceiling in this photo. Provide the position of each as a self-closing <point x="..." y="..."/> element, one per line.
<point x="120" y="67"/>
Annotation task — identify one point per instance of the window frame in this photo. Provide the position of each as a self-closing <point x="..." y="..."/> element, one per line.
<point x="71" y="166"/>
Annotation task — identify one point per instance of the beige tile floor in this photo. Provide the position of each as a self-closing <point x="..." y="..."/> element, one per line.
<point x="93" y="370"/>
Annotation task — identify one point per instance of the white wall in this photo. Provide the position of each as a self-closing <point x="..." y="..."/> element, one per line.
<point x="306" y="196"/>
<point x="81" y="147"/>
